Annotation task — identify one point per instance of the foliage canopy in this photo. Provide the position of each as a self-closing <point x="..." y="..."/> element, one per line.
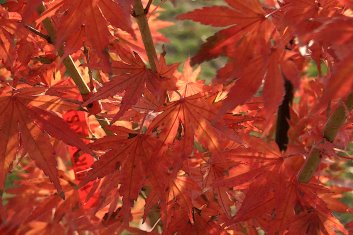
<point x="101" y="135"/>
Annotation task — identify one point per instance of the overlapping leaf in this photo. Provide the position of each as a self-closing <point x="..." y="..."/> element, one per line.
<point x="190" y="119"/>
<point x="336" y="34"/>
<point x="132" y="76"/>
<point x="8" y="24"/>
<point x="26" y="121"/>
<point x="131" y="158"/>
<point x="246" y="19"/>
<point x="86" y="22"/>
<point x="192" y="165"/>
<point x="252" y="57"/>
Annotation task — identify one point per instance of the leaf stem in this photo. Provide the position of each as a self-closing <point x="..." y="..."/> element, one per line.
<point x="332" y="126"/>
<point x="140" y="15"/>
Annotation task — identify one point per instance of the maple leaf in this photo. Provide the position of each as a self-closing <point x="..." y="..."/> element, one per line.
<point x="176" y="202"/>
<point x="86" y="22"/>
<point x="131" y="158"/>
<point x="302" y="14"/>
<point x="246" y="43"/>
<point x="36" y="208"/>
<point x="336" y="35"/>
<point x="266" y="179"/>
<point x="316" y="223"/>
<point x="200" y="225"/>
<point x="316" y="217"/>
<point x="213" y="170"/>
<point x="8" y="24"/>
<point x="169" y="184"/>
<point x="172" y="154"/>
<point x="245" y="20"/>
<point x="250" y="80"/>
<point x="189" y="119"/>
<point x="187" y="82"/>
<point x="132" y="76"/>
<point x="26" y="122"/>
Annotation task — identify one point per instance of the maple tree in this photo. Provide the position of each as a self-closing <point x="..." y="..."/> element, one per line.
<point x="103" y="136"/>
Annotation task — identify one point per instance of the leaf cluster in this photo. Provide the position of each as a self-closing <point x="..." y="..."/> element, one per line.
<point x="102" y="136"/>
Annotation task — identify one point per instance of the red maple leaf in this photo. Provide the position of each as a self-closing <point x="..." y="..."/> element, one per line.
<point x="245" y="20"/>
<point x="27" y="122"/>
<point x="8" y="24"/>
<point x="188" y="119"/>
<point x="132" y="76"/>
<point x="131" y="158"/>
<point x="86" y="22"/>
<point x="252" y="55"/>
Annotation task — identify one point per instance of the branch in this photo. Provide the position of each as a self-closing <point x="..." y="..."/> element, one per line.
<point x="68" y="62"/>
<point x="283" y="115"/>
<point x="71" y="68"/>
<point x="332" y="126"/>
<point x="147" y="8"/>
<point x="140" y="15"/>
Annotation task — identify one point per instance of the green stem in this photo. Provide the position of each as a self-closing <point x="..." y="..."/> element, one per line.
<point x="71" y="69"/>
<point x="140" y="15"/>
<point x="332" y="126"/>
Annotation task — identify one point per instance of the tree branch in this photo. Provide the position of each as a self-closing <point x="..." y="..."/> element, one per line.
<point x="71" y="68"/>
<point x="332" y="126"/>
<point x="283" y="115"/>
<point x="140" y="15"/>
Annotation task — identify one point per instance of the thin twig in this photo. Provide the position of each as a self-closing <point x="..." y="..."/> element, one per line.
<point x="38" y="33"/>
<point x="90" y="74"/>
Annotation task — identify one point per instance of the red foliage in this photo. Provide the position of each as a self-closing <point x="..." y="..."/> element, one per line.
<point x="179" y="156"/>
